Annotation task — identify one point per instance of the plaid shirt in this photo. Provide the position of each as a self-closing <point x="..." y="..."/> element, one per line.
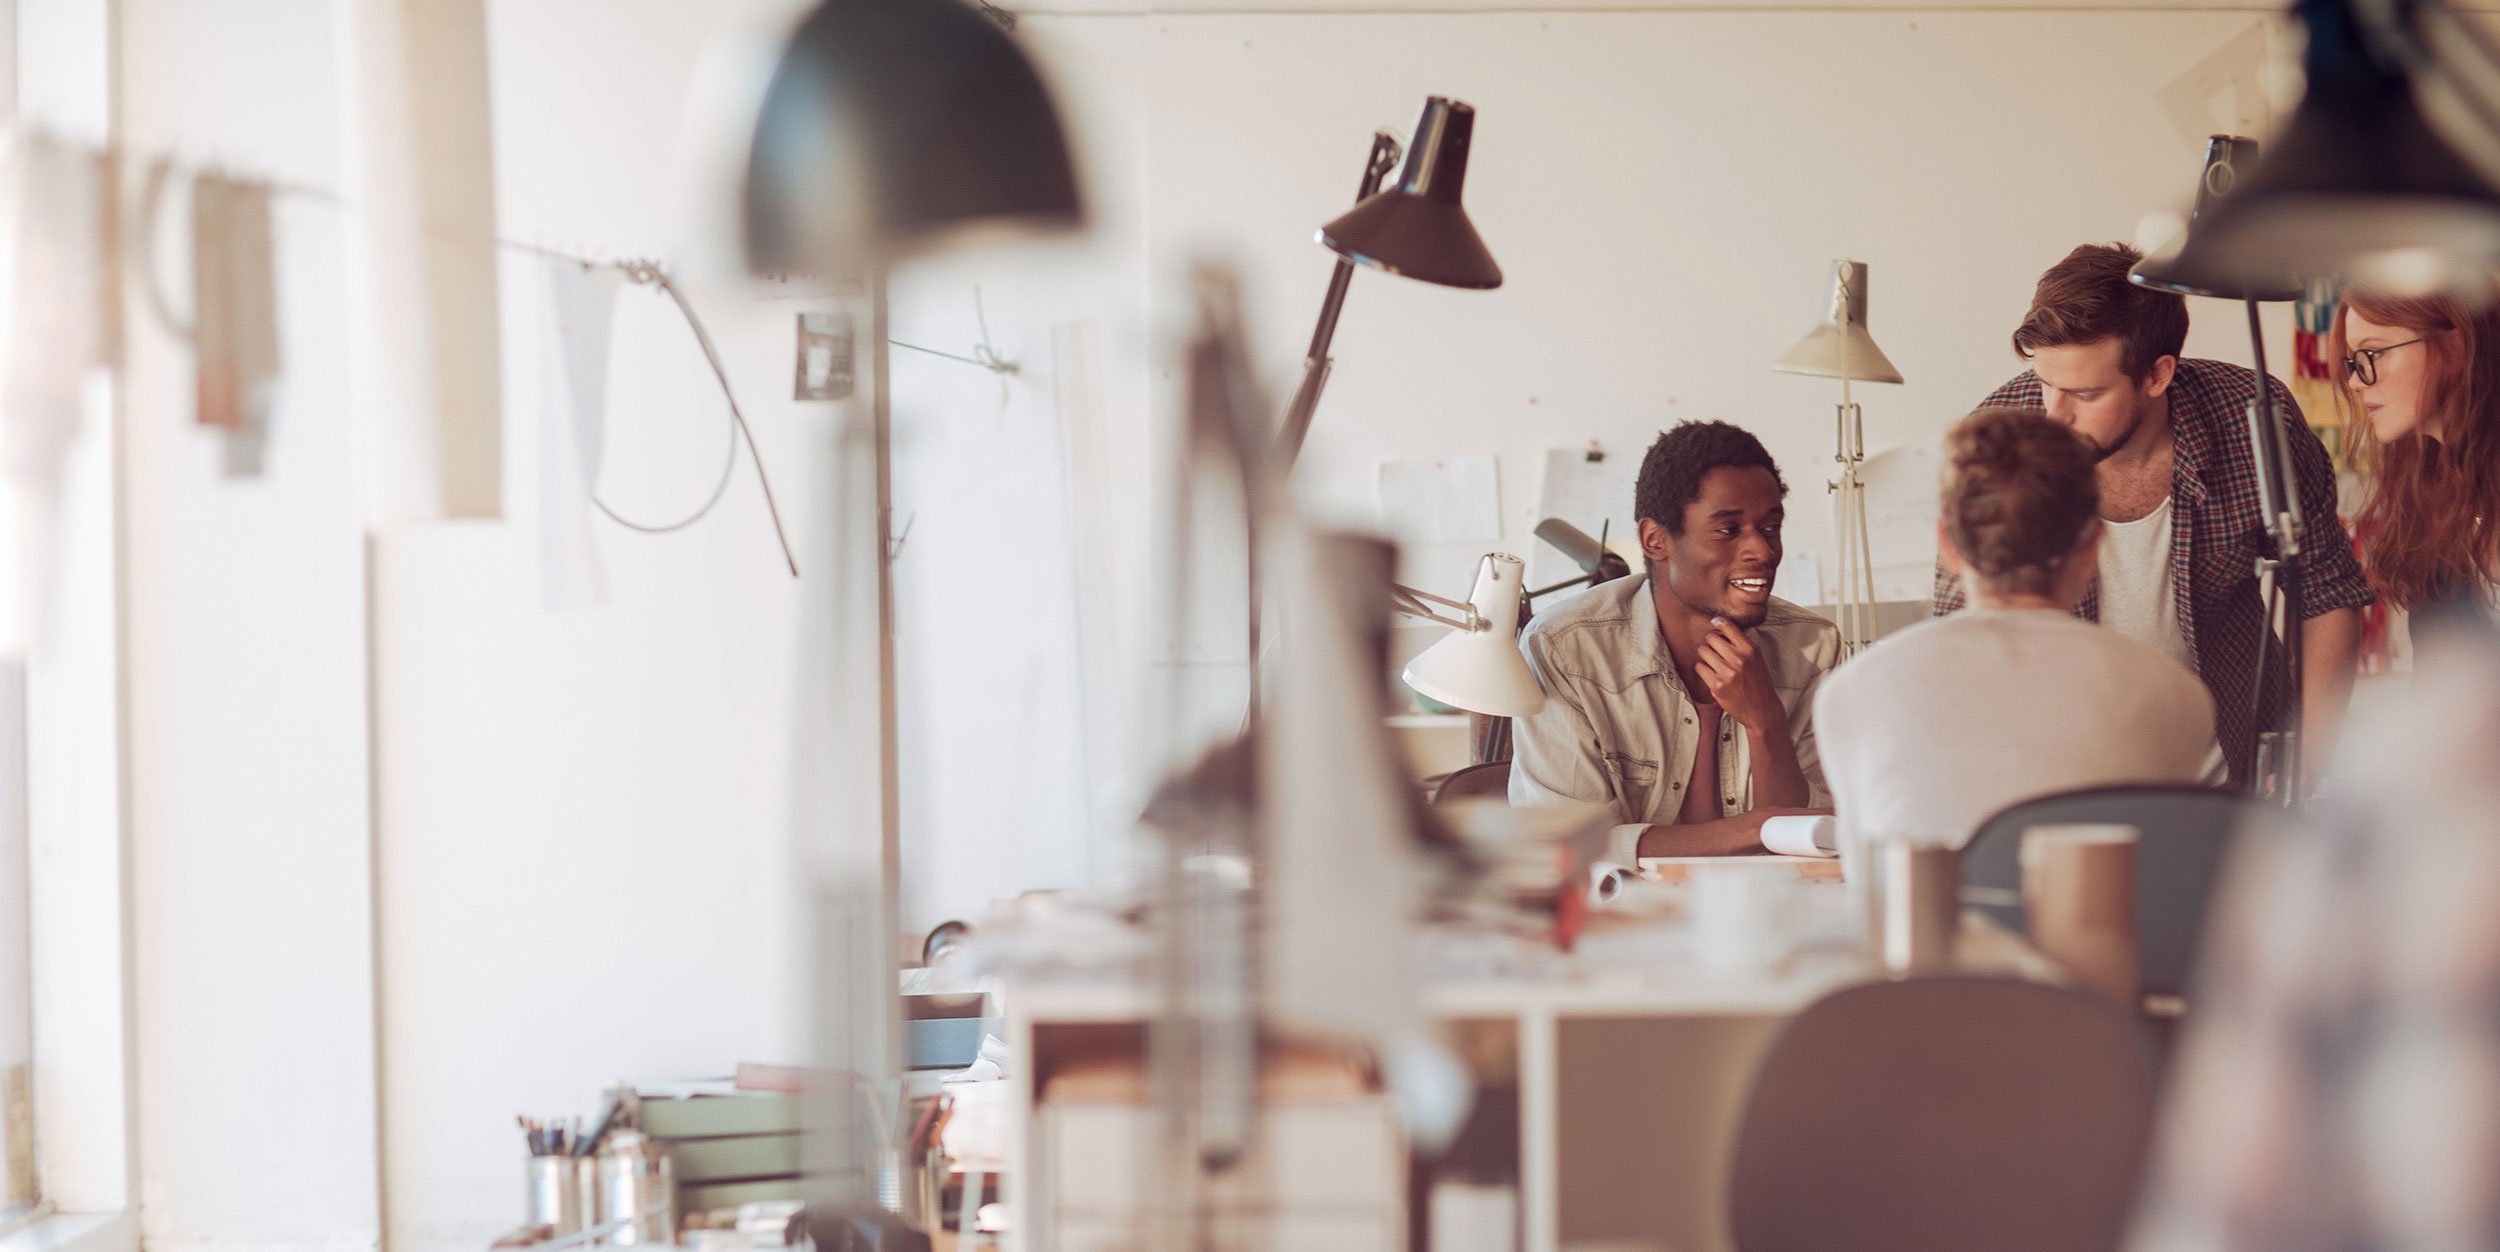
<point x="2216" y="534"/>
<point x="2339" y="1084"/>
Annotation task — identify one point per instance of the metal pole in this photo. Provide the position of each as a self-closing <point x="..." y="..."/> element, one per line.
<point x="2278" y="499"/>
<point x="1384" y="157"/>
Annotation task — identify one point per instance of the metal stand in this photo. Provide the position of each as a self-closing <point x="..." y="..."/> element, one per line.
<point x="1385" y="155"/>
<point x="2280" y="570"/>
<point x="1855" y="600"/>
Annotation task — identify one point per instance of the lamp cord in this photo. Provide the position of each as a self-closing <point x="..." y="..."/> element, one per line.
<point x="642" y="272"/>
<point x="650" y="272"/>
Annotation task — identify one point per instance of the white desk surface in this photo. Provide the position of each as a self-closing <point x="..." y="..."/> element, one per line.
<point x="1635" y="979"/>
<point x="1612" y="989"/>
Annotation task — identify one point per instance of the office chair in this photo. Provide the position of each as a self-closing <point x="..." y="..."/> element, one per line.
<point x="2185" y="833"/>
<point x="1487" y="781"/>
<point x="1951" y="1114"/>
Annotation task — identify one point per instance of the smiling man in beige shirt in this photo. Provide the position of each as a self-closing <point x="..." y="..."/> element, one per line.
<point x="1683" y="699"/>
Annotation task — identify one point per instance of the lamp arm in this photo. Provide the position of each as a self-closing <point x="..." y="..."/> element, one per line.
<point x="1384" y="157"/>
<point x="1588" y="579"/>
<point x="1414" y="603"/>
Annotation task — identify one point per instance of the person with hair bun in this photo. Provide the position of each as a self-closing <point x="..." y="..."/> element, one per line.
<point x="1944" y="723"/>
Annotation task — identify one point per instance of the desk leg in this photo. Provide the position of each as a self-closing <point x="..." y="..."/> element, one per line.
<point x="1023" y="1150"/>
<point x="1540" y="1108"/>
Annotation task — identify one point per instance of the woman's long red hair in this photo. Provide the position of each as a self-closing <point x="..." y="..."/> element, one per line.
<point x="2418" y="527"/>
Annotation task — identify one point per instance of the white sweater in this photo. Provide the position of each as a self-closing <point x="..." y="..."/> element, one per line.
<point x="1938" y="727"/>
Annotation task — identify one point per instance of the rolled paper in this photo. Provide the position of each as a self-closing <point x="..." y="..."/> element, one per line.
<point x="1801" y="836"/>
<point x="2079" y="902"/>
<point x="1606" y="882"/>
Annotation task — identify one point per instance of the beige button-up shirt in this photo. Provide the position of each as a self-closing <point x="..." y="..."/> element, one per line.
<point x="1618" y="727"/>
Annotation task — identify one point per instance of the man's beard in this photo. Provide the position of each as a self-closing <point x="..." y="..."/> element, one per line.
<point x="2103" y="452"/>
<point x="1745" y="620"/>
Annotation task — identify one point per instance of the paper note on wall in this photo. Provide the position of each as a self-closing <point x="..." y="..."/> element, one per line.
<point x="2194" y="101"/>
<point x="1591" y="490"/>
<point x="1441" y="500"/>
<point x="1800" y="578"/>
<point x="1901" y="513"/>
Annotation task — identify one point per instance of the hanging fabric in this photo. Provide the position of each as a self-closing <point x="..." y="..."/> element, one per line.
<point x="235" y="318"/>
<point x="572" y="430"/>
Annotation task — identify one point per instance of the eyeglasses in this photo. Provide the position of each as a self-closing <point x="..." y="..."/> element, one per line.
<point x="2363" y="363"/>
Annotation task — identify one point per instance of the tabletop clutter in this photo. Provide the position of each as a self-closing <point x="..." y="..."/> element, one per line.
<point x="715" y="1164"/>
<point x="707" y="1164"/>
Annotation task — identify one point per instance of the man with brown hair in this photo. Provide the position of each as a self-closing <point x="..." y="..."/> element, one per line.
<point x="2181" y="527"/>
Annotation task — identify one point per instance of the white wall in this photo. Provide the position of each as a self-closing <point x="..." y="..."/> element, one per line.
<point x="244" y="615"/>
<point x="386" y="805"/>
<point x="584" y="873"/>
<point x="1664" y="191"/>
<point x="1022" y="586"/>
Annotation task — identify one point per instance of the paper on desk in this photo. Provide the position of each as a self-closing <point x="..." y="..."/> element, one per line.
<point x="1441" y="499"/>
<point x="1676" y="869"/>
<point x="1801" y="835"/>
<point x="1594" y="495"/>
<point x="981" y="1128"/>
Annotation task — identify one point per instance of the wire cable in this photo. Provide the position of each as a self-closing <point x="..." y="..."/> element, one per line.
<point x="642" y="272"/>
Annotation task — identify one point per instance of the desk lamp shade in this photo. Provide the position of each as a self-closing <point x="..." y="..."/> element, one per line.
<point x="1841" y="347"/>
<point x="1418" y="228"/>
<point x="889" y="123"/>
<point x="1481" y="670"/>
<point x="2187" y="265"/>
<point x="2358" y="185"/>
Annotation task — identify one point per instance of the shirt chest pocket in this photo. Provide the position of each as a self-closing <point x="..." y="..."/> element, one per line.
<point x="1634" y="779"/>
<point x="2226" y="563"/>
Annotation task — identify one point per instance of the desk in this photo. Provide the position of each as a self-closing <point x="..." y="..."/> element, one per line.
<point x="1628" y="1077"/>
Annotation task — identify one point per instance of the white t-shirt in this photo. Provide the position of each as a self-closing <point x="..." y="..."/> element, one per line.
<point x="2138" y="599"/>
<point x="1936" y="728"/>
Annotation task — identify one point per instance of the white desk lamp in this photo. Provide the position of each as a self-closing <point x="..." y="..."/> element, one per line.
<point x="1478" y="666"/>
<point x="1840" y="348"/>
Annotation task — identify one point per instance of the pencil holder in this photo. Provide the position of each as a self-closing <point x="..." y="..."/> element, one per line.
<point x="555" y="1192"/>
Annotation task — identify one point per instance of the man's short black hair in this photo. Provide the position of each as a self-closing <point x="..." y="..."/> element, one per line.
<point x="1672" y="472"/>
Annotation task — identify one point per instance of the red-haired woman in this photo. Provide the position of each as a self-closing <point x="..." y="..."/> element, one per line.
<point x="2422" y="377"/>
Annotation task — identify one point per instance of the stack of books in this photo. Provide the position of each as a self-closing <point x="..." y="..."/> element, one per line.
<point x="727" y="1147"/>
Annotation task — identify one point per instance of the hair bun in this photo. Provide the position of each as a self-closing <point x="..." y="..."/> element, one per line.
<point x="2019" y="490"/>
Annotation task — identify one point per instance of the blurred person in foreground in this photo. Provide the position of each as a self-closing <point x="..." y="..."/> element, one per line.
<point x="2339" y="1087"/>
<point x="1945" y="723"/>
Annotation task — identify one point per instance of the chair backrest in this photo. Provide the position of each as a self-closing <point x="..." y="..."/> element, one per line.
<point x="2186" y="832"/>
<point x="1948" y="1114"/>
<point x="1489" y="781"/>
